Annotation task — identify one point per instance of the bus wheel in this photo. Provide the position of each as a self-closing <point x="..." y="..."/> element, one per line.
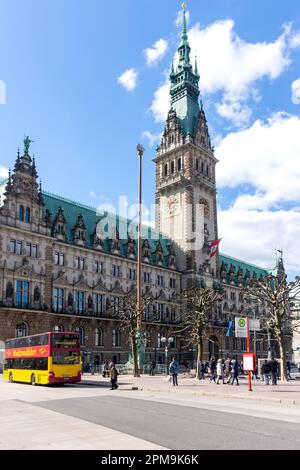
<point x="11" y="378"/>
<point x="33" y="380"/>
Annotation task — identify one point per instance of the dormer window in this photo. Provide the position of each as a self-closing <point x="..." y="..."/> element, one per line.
<point x="79" y="231"/>
<point x="59" y="225"/>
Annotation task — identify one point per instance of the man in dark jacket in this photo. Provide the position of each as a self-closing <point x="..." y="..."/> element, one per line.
<point x="113" y="377"/>
<point x="152" y="367"/>
<point x="212" y="367"/>
<point x="274" y="370"/>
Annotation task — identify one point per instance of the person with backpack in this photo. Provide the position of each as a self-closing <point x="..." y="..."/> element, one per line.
<point x="265" y="370"/>
<point x="113" y="377"/>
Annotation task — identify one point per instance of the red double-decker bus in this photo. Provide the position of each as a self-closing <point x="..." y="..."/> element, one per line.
<point x="48" y="358"/>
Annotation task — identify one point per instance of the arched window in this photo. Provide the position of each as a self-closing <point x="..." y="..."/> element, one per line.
<point x="58" y="329"/>
<point x="116" y="338"/>
<point x="98" y="337"/>
<point x="166" y="169"/>
<point x="27" y="215"/>
<point x="179" y="164"/>
<point x="21" y="213"/>
<point x="21" y="330"/>
<point x="172" y="167"/>
<point x="197" y="165"/>
<point x="80" y="330"/>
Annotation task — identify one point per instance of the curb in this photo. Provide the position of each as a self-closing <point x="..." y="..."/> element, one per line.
<point x="282" y="401"/>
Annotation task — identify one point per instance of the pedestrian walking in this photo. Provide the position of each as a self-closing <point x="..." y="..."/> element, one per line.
<point x="274" y="370"/>
<point x="202" y="369"/>
<point x="227" y="369"/>
<point x="113" y="376"/>
<point x="212" y="368"/>
<point x="220" y="371"/>
<point x="152" y="367"/>
<point x="235" y="369"/>
<point x="265" y="370"/>
<point x="173" y="370"/>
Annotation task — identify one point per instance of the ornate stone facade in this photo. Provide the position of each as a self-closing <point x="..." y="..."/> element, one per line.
<point x="59" y="271"/>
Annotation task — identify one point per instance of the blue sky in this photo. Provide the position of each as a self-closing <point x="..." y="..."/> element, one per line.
<point x="60" y="61"/>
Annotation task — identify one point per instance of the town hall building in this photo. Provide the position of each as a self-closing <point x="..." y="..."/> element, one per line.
<point x="58" y="274"/>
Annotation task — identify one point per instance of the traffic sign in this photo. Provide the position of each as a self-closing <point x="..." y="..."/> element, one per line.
<point x="241" y="327"/>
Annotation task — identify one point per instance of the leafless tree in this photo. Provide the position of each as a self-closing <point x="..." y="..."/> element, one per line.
<point x="127" y="312"/>
<point x="277" y="295"/>
<point x="197" y="305"/>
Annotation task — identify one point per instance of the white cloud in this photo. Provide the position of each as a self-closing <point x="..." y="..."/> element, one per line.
<point x="230" y="65"/>
<point x="296" y="91"/>
<point x="3" y="172"/>
<point x="152" y="138"/>
<point x="128" y="79"/>
<point x="179" y="18"/>
<point x="157" y="52"/>
<point x="295" y="40"/>
<point x="161" y="102"/>
<point x="265" y="156"/>
<point x="253" y="236"/>
<point x="234" y="111"/>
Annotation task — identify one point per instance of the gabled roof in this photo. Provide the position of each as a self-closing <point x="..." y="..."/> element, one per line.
<point x="91" y="218"/>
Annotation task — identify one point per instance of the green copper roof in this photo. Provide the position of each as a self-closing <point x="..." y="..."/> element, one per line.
<point x="184" y="89"/>
<point x="228" y="260"/>
<point x="73" y="209"/>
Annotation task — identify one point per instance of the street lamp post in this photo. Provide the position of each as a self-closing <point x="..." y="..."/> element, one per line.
<point x="167" y="342"/>
<point x="140" y="152"/>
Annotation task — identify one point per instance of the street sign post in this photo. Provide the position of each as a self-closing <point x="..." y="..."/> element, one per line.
<point x="240" y="327"/>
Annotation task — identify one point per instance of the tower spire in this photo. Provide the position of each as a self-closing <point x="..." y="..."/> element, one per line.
<point x="184" y="89"/>
<point x="184" y="35"/>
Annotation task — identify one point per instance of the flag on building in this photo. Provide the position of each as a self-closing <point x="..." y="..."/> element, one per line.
<point x="230" y="328"/>
<point x="214" y="248"/>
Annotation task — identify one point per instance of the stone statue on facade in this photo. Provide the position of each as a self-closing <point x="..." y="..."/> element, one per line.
<point x="27" y="143"/>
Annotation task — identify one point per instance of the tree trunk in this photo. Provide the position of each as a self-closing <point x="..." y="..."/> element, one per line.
<point x="281" y="342"/>
<point x="134" y="356"/>
<point x="199" y="356"/>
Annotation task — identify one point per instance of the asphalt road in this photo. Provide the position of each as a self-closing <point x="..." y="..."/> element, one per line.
<point x="179" y="427"/>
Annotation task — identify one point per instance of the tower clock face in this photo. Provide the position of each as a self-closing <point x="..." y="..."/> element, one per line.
<point x="172" y="204"/>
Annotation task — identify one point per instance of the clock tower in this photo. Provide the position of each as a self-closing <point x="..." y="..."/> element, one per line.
<point x="186" y="210"/>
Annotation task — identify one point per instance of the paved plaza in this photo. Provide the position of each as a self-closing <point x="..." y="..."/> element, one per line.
<point x="149" y="413"/>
